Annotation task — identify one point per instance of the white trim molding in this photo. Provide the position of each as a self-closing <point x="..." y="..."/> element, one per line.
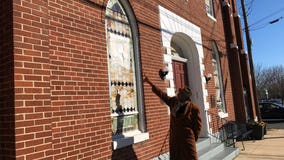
<point x="232" y="45"/>
<point x="177" y="30"/>
<point x="211" y="17"/>
<point x="236" y="15"/>
<point x="223" y="114"/>
<point x="129" y="139"/>
<point x="243" y="51"/>
<point x="224" y="3"/>
<point x="179" y="59"/>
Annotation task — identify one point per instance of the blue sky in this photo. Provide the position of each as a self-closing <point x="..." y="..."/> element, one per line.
<point x="267" y="39"/>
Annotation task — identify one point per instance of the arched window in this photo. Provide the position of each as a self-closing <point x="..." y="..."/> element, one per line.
<point x="125" y="83"/>
<point x="217" y="74"/>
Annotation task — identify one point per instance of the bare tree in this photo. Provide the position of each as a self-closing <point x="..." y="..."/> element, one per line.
<point x="261" y="81"/>
<point x="270" y="82"/>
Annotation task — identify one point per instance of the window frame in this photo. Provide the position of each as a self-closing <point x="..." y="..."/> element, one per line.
<point x="141" y="134"/>
<point x="210" y="10"/>
<point x="215" y="52"/>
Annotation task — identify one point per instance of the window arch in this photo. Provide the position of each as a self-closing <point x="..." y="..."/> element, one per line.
<point x="218" y="82"/>
<point x="125" y="82"/>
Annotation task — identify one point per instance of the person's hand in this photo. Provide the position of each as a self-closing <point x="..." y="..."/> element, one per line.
<point x="146" y="79"/>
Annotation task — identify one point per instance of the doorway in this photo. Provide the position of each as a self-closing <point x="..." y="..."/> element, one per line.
<point x="180" y="74"/>
<point x="186" y="66"/>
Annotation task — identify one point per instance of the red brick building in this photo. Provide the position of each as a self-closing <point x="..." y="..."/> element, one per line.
<point x="71" y="74"/>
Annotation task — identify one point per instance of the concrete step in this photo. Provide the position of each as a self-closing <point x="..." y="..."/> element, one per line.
<point x="202" y="143"/>
<point x="210" y="151"/>
<point x="207" y="150"/>
<point x="228" y="154"/>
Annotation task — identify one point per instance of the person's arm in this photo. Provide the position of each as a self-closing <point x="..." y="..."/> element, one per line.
<point x="146" y="79"/>
<point x="158" y="92"/>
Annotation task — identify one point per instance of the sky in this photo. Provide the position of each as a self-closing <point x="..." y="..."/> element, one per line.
<point x="267" y="39"/>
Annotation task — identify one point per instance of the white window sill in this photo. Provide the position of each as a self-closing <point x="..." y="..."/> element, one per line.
<point x="129" y="138"/>
<point x="124" y="114"/>
<point x="223" y="114"/>
<point x="177" y="58"/>
<point x="211" y="17"/>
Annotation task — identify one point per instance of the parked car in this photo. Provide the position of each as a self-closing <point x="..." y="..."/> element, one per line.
<point x="271" y="111"/>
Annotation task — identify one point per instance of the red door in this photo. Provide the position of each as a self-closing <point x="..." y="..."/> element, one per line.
<point x="180" y="74"/>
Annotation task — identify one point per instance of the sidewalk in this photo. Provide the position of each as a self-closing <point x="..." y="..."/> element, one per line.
<point x="271" y="148"/>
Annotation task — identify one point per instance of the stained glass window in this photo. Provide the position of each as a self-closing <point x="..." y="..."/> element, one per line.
<point x="121" y="66"/>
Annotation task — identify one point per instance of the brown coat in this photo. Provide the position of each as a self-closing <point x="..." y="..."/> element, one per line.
<point x="185" y="127"/>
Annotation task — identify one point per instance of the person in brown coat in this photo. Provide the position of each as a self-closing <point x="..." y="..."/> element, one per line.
<point x="185" y="123"/>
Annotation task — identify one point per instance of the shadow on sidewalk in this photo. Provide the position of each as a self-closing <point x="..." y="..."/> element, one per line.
<point x="262" y="156"/>
<point x="275" y="125"/>
<point x="274" y="137"/>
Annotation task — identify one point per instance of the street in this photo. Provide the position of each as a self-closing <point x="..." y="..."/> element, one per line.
<point x="271" y="148"/>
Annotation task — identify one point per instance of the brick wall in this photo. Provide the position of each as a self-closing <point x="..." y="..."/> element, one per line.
<point x="7" y="139"/>
<point x="79" y="81"/>
<point x="61" y="77"/>
<point x="32" y="80"/>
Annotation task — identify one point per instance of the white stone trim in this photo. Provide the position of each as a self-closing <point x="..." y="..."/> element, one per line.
<point x="170" y="75"/>
<point x="232" y="45"/>
<point x="171" y="92"/>
<point x="243" y="51"/>
<point x="167" y="58"/>
<point x="189" y="36"/>
<point x="207" y="106"/>
<point x="179" y="59"/>
<point x="237" y="15"/>
<point x="223" y="114"/>
<point x="224" y="3"/>
<point x="211" y="17"/>
<point x="171" y="23"/>
<point x="129" y="138"/>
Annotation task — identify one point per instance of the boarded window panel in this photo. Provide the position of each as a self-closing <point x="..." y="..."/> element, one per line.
<point x="123" y="98"/>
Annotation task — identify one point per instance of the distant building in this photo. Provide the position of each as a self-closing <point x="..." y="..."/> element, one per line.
<point x="71" y="74"/>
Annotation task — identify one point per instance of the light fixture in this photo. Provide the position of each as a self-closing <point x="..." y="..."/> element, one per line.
<point x="163" y="72"/>
<point x="208" y="77"/>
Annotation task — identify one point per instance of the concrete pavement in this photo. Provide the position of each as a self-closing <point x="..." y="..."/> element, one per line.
<point x="271" y="148"/>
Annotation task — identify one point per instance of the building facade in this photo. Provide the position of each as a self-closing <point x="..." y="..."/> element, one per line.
<point x="71" y="74"/>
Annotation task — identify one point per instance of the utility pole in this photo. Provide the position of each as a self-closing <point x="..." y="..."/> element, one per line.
<point x="249" y="43"/>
